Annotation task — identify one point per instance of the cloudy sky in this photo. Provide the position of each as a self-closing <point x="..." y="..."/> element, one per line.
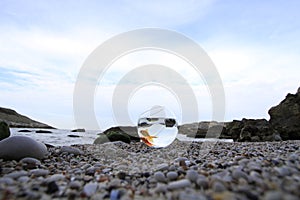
<point x="254" y="45"/>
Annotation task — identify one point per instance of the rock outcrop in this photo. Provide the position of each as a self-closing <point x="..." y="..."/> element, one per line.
<point x="251" y="130"/>
<point x="124" y="133"/>
<point x="285" y="117"/>
<point x="16" y="120"/>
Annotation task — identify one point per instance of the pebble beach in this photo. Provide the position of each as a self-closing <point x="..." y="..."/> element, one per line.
<point x="183" y="170"/>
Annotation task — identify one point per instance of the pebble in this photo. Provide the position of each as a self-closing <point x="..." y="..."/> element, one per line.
<point x="39" y="172"/>
<point x="55" y="177"/>
<point x="160" y="188"/>
<point x="202" y="182"/>
<point x="179" y="184"/>
<point x="218" y="187"/>
<point x="160" y="177"/>
<point x="71" y="150"/>
<point x="90" y="189"/>
<point x="172" y="176"/>
<point x="162" y="167"/>
<point x="52" y="187"/>
<point x="6" y="181"/>
<point x="76" y="185"/>
<point x="237" y="174"/>
<point x="16" y="174"/>
<point x="30" y="163"/>
<point x="192" y="175"/>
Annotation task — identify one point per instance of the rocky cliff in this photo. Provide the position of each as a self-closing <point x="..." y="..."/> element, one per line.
<point x="16" y="120"/>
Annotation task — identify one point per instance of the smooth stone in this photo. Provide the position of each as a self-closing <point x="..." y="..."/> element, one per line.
<point x="162" y="167"/>
<point x="273" y="195"/>
<point x="115" y="183"/>
<point x="202" y="182"/>
<point x="75" y="185"/>
<point x="30" y="163"/>
<point x="192" y="175"/>
<point x="179" y="184"/>
<point x="237" y="174"/>
<point x="282" y="171"/>
<point x="71" y="150"/>
<point x="39" y="172"/>
<point x="89" y="189"/>
<point x="7" y="181"/>
<point x="16" y="174"/>
<point x="160" y="177"/>
<point x="160" y="188"/>
<point x="55" y="177"/>
<point x="18" y="147"/>
<point x="23" y="179"/>
<point x="218" y="187"/>
<point x="172" y="176"/>
<point x="52" y="187"/>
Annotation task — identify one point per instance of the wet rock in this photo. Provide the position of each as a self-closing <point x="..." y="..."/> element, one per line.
<point x="81" y="130"/>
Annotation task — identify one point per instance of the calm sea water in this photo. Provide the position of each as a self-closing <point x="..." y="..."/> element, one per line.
<point x="59" y="137"/>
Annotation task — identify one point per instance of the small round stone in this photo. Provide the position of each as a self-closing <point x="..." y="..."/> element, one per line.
<point x="160" y="177"/>
<point x="179" y="184"/>
<point x="172" y="176"/>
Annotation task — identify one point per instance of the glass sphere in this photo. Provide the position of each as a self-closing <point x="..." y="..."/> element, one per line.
<point x="157" y="127"/>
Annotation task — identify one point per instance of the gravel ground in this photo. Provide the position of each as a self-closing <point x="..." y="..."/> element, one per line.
<point x="184" y="170"/>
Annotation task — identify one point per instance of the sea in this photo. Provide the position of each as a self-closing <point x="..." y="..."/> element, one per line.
<point x="63" y="137"/>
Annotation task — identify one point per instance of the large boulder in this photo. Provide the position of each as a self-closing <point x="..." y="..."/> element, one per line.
<point x="123" y="133"/>
<point x="4" y="131"/>
<point x="251" y="130"/>
<point x="285" y="117"/>
<point x="18" y="147"/>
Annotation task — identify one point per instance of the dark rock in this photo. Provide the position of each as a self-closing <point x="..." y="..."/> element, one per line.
<point x="203" y="130"/>
<point x="285" y="117"/>
<point x="130" y="131"/>
<point x="112" y="135"/>
<point x="43" y="131"/>
<point x="18" y="147"/>
<point x="250" y="130"/>
<point x="74" y="136"/>
<point x="24" y="131"/>
<point x="52" y="187"/>
<point x="81" y="130"/>
<point x="4" y="131"/>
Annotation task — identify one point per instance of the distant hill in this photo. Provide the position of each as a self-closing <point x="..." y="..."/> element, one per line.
<point x="16" y="120"/>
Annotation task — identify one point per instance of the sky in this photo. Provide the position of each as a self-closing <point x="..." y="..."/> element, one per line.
<point x="254" y="45"/>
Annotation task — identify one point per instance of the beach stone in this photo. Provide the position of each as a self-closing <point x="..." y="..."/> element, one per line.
<point x="192" y="175"/>
<point x="39" y="172"/>
<point x="160" y="177"/>
<point x="89" y="189"/>
<point x="160" y="188"/>
<point x="218" y="187"/>
<point x="30" y="163"/>
<point x="7" y="180"/>
<point x="52" y="187"/>
<point x="4" y="131"/>
<point x="18" y="147"/>
<point x="162" y="167"/>
<point x="237" y="174"/>
<point x="54" y="178"/>
<point x="16" y="174"/>
<point x="71" y="150"/>
<point x="172" y="176"/>
<point x="202" y="182"/>
<point x="23" y="179"/>
<point x="75" y="185"/>
<point x="179" y="184"/>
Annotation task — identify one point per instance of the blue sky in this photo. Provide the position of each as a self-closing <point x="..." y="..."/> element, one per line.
<point x="43" y="44"/>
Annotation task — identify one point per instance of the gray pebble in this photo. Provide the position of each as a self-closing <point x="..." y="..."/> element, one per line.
<point x="273" y="195"/>
<point x="71" y="150"/>
<point x="160" y="188"/>
<point x="179" y="184"/>
<point x="39" y="172"/>
<point x="192" y="175"/>
<point x="218" y="187"/>
<point x="54" y="178"/>
<point x="237" y="174"/>
<point x="32" y="161"/>
<point x="180" y="159"/>
<point x="202" y="182"/>
<point x="75" y="185"/>
<point x="172" y="176"/>
<point x="7" y="181"/>
<point x="90" y="189"/>
<point x="282" y="171"/>
<point x="162" y="167"/>
<point x="23" y="179"/>
<point x="160" y="177"/>
<point x="16" y="174"/>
